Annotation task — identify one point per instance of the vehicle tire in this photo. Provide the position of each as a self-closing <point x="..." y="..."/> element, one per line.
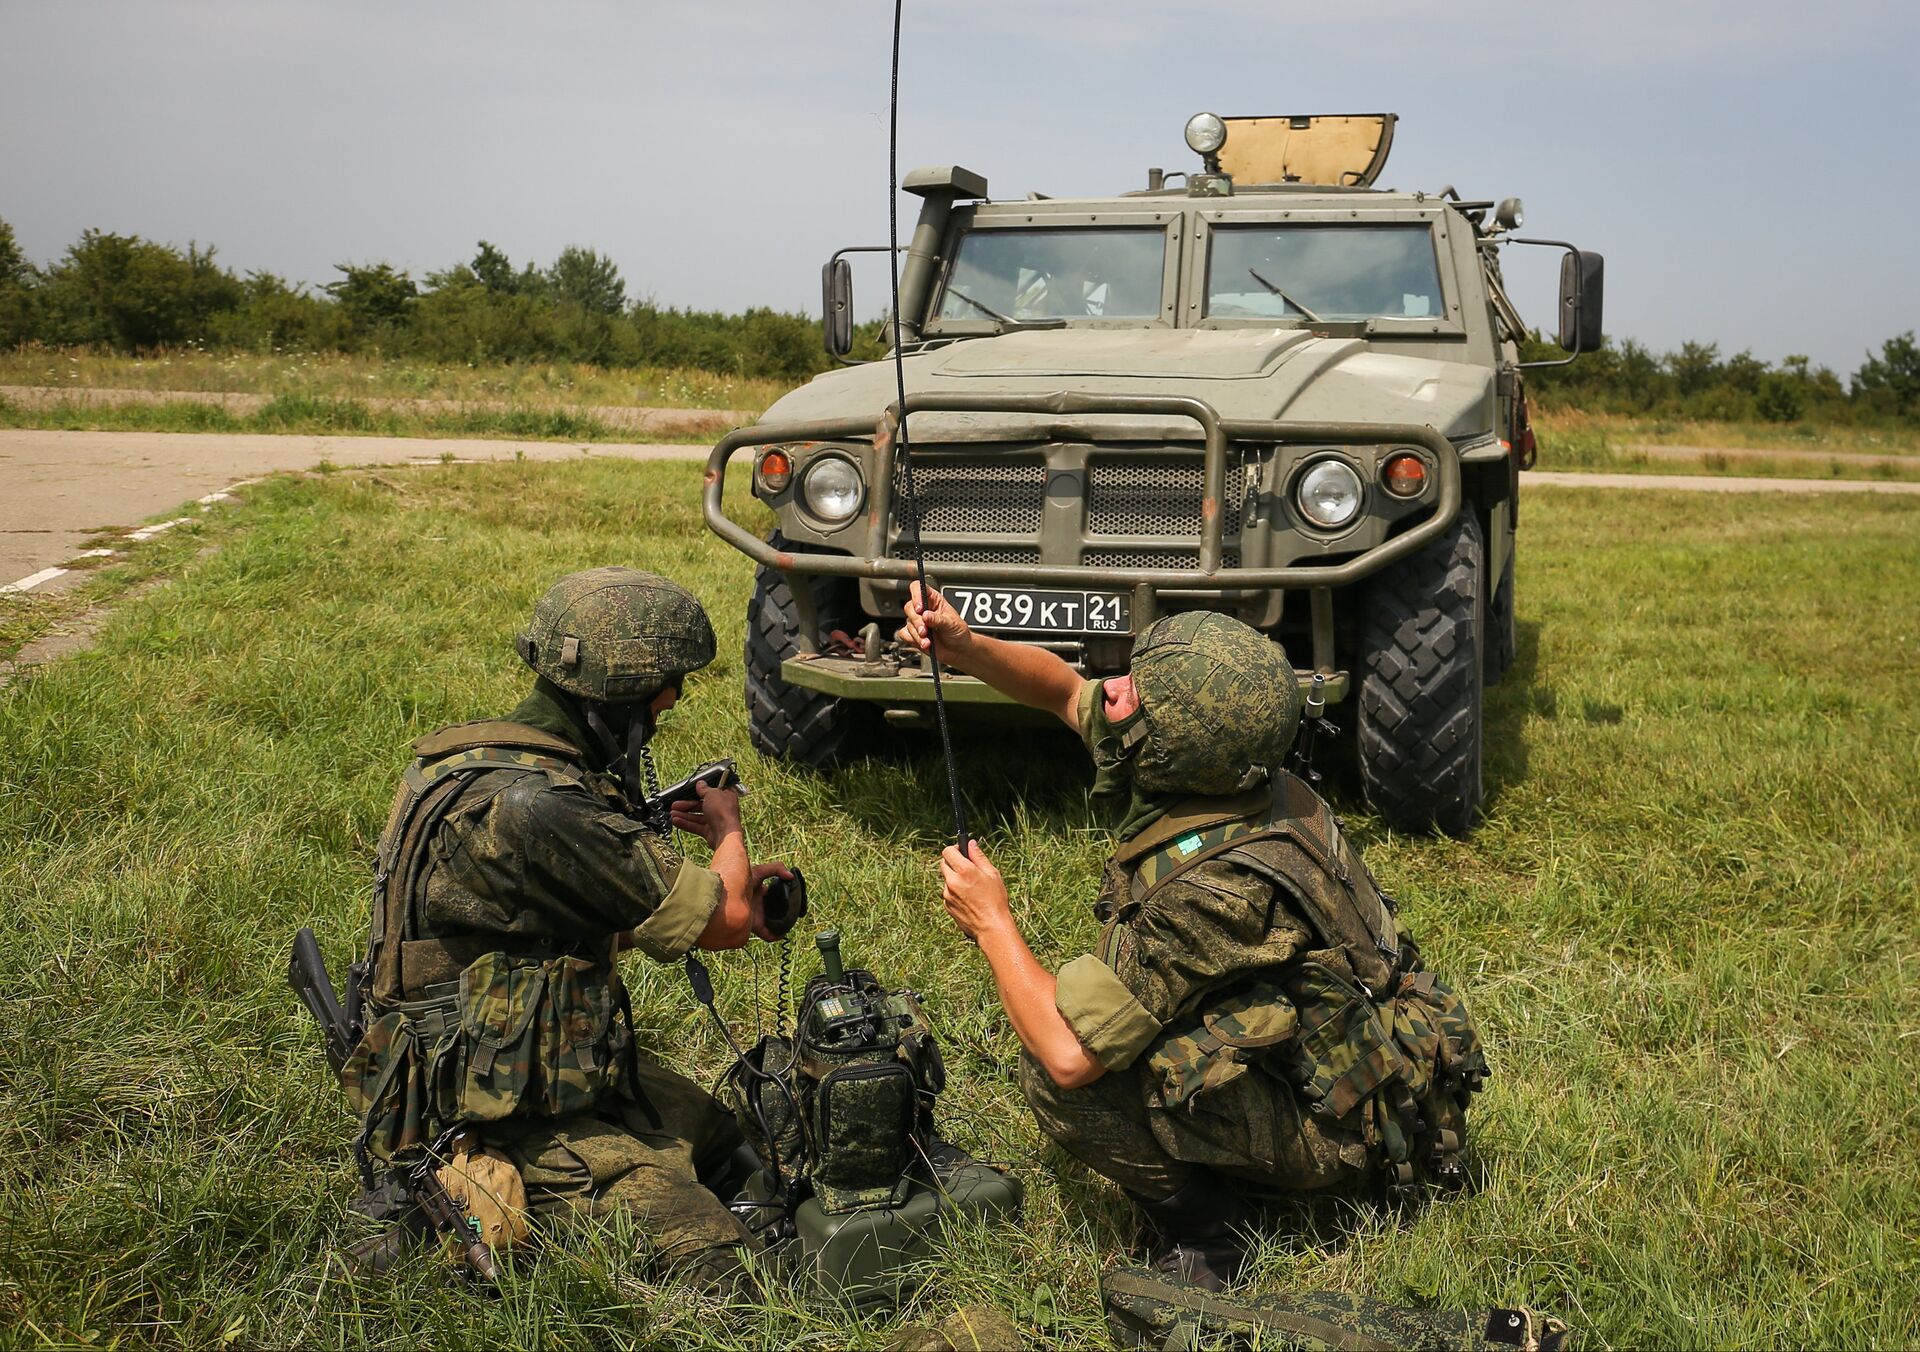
<point x="1502" y="640"/>
<point x="790" y="722"/>
<point x="1419" y="724"/>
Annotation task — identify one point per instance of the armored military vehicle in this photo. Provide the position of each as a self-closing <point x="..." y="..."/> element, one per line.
<point x="1267" y="388"/>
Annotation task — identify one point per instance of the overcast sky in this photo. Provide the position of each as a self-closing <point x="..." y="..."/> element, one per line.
<point x="1748" y="167"/>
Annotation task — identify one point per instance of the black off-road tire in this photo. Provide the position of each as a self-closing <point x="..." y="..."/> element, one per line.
<point x="1502" y="637"/>
<point x="790" y="722"/>
<point x="1420" y="725"/>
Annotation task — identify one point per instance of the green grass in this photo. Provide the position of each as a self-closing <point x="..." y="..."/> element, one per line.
<point x="315" y="415"/>
<point x="1571" y="440"/>
<point x="1687" y="927"/>
<point x="340" y="376"/>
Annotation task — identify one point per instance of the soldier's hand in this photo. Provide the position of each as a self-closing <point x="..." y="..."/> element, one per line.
<point x="759" y="875"/>
<point x="931" y="620"/>
<point x="975" y="893"/>
<point x="717" y="814"/>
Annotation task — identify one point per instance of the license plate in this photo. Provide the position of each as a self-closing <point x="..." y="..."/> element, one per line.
<point x="1054" y="612"/>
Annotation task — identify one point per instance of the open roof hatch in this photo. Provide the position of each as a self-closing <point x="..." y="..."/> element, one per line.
<point x="1341" y="150"/>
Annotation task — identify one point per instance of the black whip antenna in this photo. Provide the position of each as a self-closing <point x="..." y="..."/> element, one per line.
<point x="909" y="499"/>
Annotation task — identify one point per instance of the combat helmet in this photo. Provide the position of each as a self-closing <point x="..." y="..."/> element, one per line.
<point x="616" y="635"/>
<point x="1220" y="704"/>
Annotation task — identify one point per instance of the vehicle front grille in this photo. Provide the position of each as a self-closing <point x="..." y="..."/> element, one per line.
<point x="1134" y="500"/>
<point x="1157" y="498"/>
<point x="985" y="497"/>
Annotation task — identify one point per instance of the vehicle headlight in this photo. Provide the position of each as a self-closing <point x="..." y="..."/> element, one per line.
<point x="832" y="489"/>
<point x="1206" y="133"/>
<point x="1329" y="494"/>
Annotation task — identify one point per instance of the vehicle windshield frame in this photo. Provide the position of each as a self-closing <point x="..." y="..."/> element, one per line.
<point x="1168" y="223"/>
<point x="1445" y="323"/>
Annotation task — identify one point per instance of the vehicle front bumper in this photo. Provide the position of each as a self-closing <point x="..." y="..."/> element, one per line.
<point x="1145" y="584"/>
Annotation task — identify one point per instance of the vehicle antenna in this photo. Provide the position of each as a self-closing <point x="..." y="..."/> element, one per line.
<point x="909" y="499"/>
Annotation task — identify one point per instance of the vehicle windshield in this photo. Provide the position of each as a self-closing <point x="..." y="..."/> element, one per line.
<point x="1323" y="272"/>
<point x="1055" y="273"/>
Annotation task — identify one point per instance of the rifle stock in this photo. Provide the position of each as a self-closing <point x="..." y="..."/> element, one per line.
<point x="307" y="974"/>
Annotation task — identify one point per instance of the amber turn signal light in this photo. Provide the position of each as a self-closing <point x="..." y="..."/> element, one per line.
<point x="776" y="470"/>
<point x="1405" y="475"/>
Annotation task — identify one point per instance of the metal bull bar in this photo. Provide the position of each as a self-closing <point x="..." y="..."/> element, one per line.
<point x="1144" y="582"/>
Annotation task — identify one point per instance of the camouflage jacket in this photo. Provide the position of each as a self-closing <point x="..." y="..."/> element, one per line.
<point x="1246" y="932"/>
<point x="507" y="875"/>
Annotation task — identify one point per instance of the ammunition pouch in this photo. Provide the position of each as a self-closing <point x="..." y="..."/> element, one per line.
<point x="513" y="1037"/>
<point x="1399" y="1066"/>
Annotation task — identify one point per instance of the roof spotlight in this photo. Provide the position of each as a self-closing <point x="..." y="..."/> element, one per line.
<point x="1510" y="213"/>
<point x="1206" y="133"/>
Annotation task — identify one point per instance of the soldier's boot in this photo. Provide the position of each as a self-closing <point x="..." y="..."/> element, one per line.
<point x="1199" y="1232"/>
<point x="723" y="1272"/>
<point x="378" y="1253"/>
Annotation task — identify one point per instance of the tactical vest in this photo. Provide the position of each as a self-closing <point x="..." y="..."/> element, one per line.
<point x="1368" y="1037"/>
<point x="469" y="1029"/>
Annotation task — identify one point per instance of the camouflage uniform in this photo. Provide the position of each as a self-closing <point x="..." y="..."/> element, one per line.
<point x="509" y="876"/>
<point x="1262" y="1018"/>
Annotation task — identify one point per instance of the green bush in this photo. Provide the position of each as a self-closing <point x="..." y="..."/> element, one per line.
<point x="124" y="292"/>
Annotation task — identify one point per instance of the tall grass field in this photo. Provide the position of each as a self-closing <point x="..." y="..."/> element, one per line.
<point x="1688" y="928"/>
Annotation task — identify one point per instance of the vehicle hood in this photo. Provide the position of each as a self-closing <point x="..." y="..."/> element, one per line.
<point x="1285" y="374"/>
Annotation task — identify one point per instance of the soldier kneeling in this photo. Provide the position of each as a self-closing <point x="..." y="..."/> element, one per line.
<point x="1254" y="1019"/>
<point x="519" y="859"/>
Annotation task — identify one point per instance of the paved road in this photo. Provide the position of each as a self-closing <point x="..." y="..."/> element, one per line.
<point x="57" y="487"/>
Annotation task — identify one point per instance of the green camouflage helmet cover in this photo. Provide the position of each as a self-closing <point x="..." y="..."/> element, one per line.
<point x="616" y="635"/>
<point x="1220" y="702"/>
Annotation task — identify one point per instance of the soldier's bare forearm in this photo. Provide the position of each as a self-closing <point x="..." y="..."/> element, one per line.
<point x="1027" y="994"/>
<point x="732" y="921"/>
<point x="1022" y="672"/>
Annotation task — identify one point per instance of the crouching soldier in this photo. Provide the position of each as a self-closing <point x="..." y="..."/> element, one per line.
<point x="518" y="860"/>
<point x="1255" y="1018"/>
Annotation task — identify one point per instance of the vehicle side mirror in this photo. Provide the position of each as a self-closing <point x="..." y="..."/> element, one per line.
<point x="836" y="306"/>
<point x="1582" y="278"/>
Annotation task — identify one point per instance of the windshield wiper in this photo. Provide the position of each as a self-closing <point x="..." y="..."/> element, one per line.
<point x="1254" y="272"/>
<point x="1006" y="321"/>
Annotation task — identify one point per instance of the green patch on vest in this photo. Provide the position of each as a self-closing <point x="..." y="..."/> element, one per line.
<point x="1188" y="844"/>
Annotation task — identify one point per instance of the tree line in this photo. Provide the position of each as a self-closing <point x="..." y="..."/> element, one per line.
<point x="1696" y="382"/>
<point x="129" y="294"/>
